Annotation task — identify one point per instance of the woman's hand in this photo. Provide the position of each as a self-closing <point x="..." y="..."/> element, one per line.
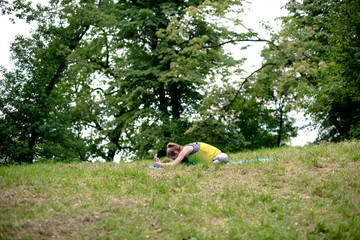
<point x="157" y="162"/>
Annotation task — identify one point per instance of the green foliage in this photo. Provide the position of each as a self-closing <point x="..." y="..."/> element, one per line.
<point x="253" y="115"/>
<point x="317" y="53"/>
<point x="35" y="105"/>
<point x="99" y="78"/>
<point x="128" y="74"/>
<point x="227" y="136"/>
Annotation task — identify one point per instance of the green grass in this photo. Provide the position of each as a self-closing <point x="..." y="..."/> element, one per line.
<point x="308" y="192"/>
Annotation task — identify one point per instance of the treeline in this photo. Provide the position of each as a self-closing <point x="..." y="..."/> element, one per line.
<point x="98" y="78"/>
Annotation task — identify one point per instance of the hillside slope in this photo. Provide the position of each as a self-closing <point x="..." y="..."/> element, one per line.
<point x="308" y="192"/>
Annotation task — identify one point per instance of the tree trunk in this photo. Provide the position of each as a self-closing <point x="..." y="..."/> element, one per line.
<point x="51" y="85"/>
<point x="163" y="103"/>
<point x="29" y="158"/>
<point x="175" y="101"/>
<point x="280" y="126"/>
<point x="112" y="151"/>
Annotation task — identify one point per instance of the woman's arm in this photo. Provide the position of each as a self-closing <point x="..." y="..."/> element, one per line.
<point x="157" y="162"/>
<point x="180" y="157"/>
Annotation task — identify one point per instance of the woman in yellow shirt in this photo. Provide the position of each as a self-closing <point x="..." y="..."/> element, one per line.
<point x="192" y="153"/>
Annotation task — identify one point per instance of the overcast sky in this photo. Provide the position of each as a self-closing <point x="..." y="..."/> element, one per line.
<point x="256" y="11"/>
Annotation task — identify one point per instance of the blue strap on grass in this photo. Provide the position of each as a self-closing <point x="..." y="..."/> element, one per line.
<point x="153" y="167"/>
<point x="251" y="160"/>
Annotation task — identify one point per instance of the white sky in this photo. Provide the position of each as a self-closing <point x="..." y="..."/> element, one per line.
<point x="256" y="11"/>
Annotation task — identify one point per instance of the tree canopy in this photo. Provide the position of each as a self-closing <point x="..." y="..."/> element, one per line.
<point x="317" y="53"/>
<point x="99" y="78"/>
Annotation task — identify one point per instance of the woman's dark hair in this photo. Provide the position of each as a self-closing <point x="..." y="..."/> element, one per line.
<point x="172" y="148"/>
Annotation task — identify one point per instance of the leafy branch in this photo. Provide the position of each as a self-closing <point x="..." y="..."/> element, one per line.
<point x="237" y="40"/>
<point x="227" y="107"/>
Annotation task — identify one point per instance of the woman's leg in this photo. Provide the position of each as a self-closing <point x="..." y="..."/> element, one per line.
<point x="221" y="158"/>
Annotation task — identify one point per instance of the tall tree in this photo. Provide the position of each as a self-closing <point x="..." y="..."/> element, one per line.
<point x="34" y="102"/>
<point x="168" y="52"/>
<point x="254" y="112"/>
<point x="317" y="51"/>
<point x="121" y="70"/>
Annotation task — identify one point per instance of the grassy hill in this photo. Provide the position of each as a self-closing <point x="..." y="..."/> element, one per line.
<point x="308" y="192"/>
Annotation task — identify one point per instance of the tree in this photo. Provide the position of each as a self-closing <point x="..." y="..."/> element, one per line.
<point x="256" y="111"/>
<point x="151" y="59"/>
<point x="317" y="52"/>
<point x="34" y="102"/>
<point x="169" y="49"/>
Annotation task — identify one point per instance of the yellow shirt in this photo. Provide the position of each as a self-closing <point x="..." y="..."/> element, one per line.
<point x="206" y="154"/>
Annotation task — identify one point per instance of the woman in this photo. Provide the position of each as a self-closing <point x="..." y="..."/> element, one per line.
<point x="192" y="153"/>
